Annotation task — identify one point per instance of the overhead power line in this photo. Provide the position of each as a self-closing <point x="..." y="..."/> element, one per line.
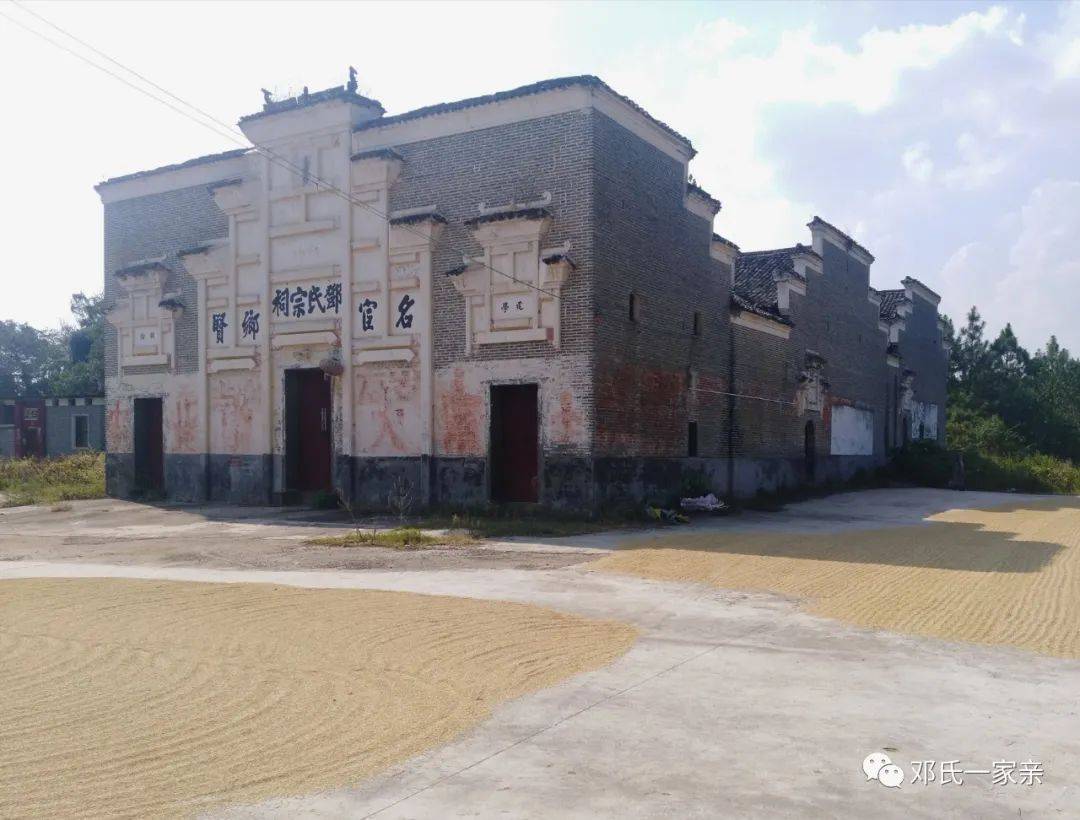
<point x="224" y="130"/>
<point x="233" y="134"/>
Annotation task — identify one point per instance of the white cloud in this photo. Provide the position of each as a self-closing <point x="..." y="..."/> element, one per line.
<point x="917" y="162"/>
<point x="1062" y="47"/>
<point x="713" y="87"/>
<point x="976" y="168"/>
<point x="1027" y="276"/>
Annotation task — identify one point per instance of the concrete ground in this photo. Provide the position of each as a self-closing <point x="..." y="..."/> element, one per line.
<point x="731" y="703"/>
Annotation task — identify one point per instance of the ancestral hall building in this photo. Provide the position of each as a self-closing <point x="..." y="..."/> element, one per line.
<point x="517" y="297"/>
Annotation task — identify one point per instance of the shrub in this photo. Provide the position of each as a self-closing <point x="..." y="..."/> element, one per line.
<point x="50" y="480"/>
<point x="924" y="463"/>
<point x="927" y="464"/>
<point x="695" y="483"/>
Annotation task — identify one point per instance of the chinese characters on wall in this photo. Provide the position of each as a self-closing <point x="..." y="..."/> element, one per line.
<point x="314" y="300"/>
<point x="299" y="301"/>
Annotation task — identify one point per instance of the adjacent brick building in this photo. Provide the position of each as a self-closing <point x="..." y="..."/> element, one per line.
<point x="516" y="297"/>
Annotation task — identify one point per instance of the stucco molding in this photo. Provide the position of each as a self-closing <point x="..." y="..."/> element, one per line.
<point x="761" y="324"/>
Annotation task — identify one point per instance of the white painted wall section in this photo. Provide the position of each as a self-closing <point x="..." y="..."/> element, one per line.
<point x="852" y="431"/>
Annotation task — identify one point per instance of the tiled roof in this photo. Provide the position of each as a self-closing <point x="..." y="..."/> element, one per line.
<point x="420" y="216"/>
<point x="338" y="92"/>
<point x="376" y="153"/>
<point x="745" y="304"/>
<point x="891" y="301"/>
<point x="555" y="258"/>
<point x="142" y="266"/>
<point x="756" y="273"/>
<point x="236" y="152"/>
<point x="523" y="91"/>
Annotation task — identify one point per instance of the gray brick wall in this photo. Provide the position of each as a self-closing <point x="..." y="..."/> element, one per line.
<point x="837" y="320"/>
<point x="649" y="244"/>
<point x="619" y="202"/>
<point x="147" y="227"/>
<point x="58" y="427"/>
<point x="510" y="163"/>
<point x="921" y="350"/>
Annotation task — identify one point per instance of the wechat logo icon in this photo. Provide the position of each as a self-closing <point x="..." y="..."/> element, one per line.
<point x="877" y="766"/>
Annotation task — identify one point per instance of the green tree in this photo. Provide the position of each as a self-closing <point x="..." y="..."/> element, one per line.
<point x="29" y="360"/>
<point x="38" y="363"/>
<point x="83" y="374"/>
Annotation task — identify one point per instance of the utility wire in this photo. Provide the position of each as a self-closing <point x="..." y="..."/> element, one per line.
<point x="229" y="132"/>
<point x="233" y="134"/>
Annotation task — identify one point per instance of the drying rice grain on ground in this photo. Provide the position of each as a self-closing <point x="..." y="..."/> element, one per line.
<point x="146" y="698"/>
<point x="1009" y="575"/>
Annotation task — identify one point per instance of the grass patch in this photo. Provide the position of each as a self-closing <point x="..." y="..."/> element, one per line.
<point x="507" y="524"/>
<point x="52" y="480"/>
<point x="463" y="529"/>
<point x="399" y="538"/>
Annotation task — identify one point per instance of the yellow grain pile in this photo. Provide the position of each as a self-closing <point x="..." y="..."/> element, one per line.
<point x="143" y="698"/>
<point x="1002" y="576"/>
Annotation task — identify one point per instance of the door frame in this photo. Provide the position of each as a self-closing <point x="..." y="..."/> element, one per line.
<point x="490" y="472"/>
<point x="290" y="416"/>
<point x="142" y="482"/>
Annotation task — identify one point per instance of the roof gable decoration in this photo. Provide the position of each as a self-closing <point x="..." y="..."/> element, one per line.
<point x="787" y="283"/>
<point x="206" y="261"/>
<point x="822" y="232"/>
<point x="913" y="287"/>
<point x="235" y="196"/>
<point x="513" y="288"/>
<point x="725" y="251"/>
<point x="805" y="261"/>
<point x="700" y="202"/>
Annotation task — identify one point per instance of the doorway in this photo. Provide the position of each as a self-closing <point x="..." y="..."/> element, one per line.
<point x="809" y="451"/>
<point x="515" y="443"/>
<point x="308" y="445"/>
<point x="149" y="446"/>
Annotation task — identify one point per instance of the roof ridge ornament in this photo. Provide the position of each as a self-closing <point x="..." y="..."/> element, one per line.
<point x="351" y="86"/>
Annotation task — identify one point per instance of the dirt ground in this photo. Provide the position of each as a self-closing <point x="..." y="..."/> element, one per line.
<point x="1008" y="575"/>
<point x="123" y="532"/>
<point x="149" y="698"/>
<point x="225" y="624"/>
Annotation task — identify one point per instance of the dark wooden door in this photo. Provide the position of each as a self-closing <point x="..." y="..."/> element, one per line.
<point x="515" y="443"/>
<point x="149" y="445"/>
<point x="308" y="447"/>
<point x="30" y="437"/>
<point x="809" y="450"/>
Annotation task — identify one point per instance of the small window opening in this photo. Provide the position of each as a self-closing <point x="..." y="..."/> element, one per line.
<point x="635" y="307"/>
<point x="691" y="439"/>
<point x="697" y="323"/>
<point x="81" y="432"/>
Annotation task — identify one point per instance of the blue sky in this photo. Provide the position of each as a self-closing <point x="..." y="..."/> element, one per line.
<point x="943" y="136"/>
